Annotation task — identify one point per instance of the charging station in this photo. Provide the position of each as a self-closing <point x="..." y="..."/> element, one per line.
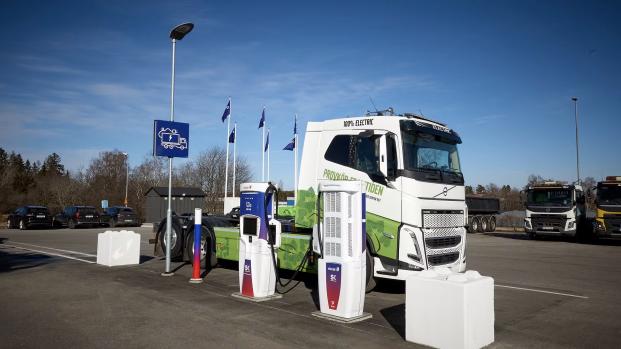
<point x="258" y="242"/>
<point x="341" y="240"/>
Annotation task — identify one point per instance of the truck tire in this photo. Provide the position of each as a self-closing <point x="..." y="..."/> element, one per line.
<point x="8" y="223"/>
<point x="112" y="223"/>
<point x="484" y="224"/>
<point x="189" y="244"/>
<point x="371" y="282"/>
<point x="492" y="224"/>
<point x="176" y="248"/>
<point x="475" y="226"/>
<point x="70" y="224"/>
<point x="22" y="225"/>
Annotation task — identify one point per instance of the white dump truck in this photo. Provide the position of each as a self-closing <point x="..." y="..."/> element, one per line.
<point x="554" y="208"/>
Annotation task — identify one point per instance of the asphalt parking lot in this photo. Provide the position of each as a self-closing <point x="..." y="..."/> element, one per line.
<point x="549" y="293"/>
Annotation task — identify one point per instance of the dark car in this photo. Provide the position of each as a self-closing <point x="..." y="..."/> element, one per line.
<point x="27" y="217"/>
<point x="234" y="213"/>
<point x="120" y="215"/>
<point x="74" y="216"/>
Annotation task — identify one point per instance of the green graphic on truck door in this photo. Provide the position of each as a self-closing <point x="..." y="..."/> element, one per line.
<point x="384" y="235"/>
<point x="306" y="209"/>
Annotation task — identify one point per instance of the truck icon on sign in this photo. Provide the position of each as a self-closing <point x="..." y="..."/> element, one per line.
<point x="170" y="138"/>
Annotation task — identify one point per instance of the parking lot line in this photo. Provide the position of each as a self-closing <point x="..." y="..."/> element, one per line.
<point x="49" y="253"/>
<point x="55" y="249"/>
<point x="543" y="291"/>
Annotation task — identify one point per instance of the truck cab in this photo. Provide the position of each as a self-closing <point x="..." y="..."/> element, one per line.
<point x="608" y="207"/>
<point x="554" y="208"/>
<point x="415" y="197"/>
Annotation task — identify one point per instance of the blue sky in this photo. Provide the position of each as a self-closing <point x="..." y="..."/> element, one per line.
<point x="81" y="77"/>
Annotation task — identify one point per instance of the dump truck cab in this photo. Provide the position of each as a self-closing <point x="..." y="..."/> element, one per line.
<point x="415" y="197"/>
<point x="608" y="207"/>
<point x="554" y="208"/>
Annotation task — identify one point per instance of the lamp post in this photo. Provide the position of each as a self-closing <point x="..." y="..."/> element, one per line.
<point x="575" y="99"/>
<point x="126" y="176"/>
<point x="177" y="33"/>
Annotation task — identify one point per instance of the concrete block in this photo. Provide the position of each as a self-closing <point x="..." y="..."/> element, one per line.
<point x="449" y="310"/>
<point x="118" y="248"/>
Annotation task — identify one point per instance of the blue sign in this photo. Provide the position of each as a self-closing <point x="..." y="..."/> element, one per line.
<point x="171" y="139"/>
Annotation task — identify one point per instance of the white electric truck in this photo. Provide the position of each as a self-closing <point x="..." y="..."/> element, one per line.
<point x="554" y="208"/>
<point x="415" y="198"/>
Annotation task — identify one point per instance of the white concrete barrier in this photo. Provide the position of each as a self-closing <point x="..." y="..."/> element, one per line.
<point x="118" y="248"/>
<point x="449" y="310"/>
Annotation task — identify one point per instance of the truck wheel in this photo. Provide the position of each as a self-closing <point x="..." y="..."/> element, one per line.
<point x="22" y="225"/>
<point x="371" y="282"/>
<point x="492" y="224"/>
<point x="8" y="223"/>
<point x="189" y="245"/>
<point x="484" y="224"/>
<point x="71" y="224"/>
<point x="176" y="239"/>
<point x="112" y="223"/>
<point x="475" y="226"/>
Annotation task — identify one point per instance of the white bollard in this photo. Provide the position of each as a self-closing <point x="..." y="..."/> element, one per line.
<point x="449" y="310"/>
<point x="118" y="248"/>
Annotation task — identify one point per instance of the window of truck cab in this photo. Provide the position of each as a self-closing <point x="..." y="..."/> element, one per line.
<point x="430" y="155"/>
<point x="362" y="153"/>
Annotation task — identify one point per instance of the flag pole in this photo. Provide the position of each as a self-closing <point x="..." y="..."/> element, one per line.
<point x="295" y="163"/>
<point x="226" y="167"/>
<point x="234" y="156"/>
<point x="263" y="149"/>
<point x="268" y="156"/>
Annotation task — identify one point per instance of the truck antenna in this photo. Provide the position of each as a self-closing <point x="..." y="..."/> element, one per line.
<point x="373" y="103"/>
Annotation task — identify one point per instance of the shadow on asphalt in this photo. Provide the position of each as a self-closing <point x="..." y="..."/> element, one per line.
<point x="10" y="262"/>
<point x="395" y="316"/>
<point x="549" y="238"/>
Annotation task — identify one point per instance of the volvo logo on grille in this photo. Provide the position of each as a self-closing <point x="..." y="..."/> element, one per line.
<point x="445" y="191"/>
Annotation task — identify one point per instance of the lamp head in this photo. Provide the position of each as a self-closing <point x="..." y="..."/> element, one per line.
<point x="181" y="30"/>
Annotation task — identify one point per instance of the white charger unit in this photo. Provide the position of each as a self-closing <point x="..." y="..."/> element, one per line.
<point x="342" y="242"/>
<point x="257" y="276"/>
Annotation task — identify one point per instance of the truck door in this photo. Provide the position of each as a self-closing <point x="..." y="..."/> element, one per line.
<point x="370" y="156"/>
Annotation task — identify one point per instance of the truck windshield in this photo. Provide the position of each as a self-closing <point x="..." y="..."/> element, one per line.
<point x="549" y="197"/>
<point x="428" y="152"/>
<point x="609" y="195"/>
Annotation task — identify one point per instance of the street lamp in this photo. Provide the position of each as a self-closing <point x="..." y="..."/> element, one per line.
<point x="126" y="176"/>
<point x="575" y="99"/>
<point x="177" y="33"/>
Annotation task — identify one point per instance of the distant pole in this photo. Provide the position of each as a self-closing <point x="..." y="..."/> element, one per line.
<point x="295" y="161"/>
<point x="268" y="155"/>
<point x="263" y="152"/>
<point x="234" y="156"/>
<point x="126" y="176"/>
<point x="226" y="167"/>
<point x="575" y="99"/>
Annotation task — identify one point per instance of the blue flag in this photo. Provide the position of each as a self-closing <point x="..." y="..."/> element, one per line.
<point x="232" y="136"/>
<point x="290" y="146"/>
<point x="227" y="111"/>
<point x="267" y="141"/>
<point x="262" y="121"/>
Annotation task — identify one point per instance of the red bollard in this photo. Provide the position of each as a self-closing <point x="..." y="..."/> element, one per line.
<point x="196" y="262"/>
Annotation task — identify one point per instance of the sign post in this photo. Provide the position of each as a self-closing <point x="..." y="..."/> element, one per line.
<point x="170" y="139"/>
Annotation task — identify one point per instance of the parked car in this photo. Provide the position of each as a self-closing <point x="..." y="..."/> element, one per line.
<point x="74" y="216"/>
<point x="27" y="217"/>
<point x="120" y="215"/>
<point x="234" y="213"/>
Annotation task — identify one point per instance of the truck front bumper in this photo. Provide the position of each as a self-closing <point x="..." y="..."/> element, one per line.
<point x="568" y="229"/>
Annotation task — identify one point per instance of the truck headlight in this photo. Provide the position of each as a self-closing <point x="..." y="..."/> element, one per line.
<point x="570" y="225"/>
<point x="599" y="225"/>
<point x="527" y="224"/>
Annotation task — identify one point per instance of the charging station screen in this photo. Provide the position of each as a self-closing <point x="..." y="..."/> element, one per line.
<point x="250" y="225"/>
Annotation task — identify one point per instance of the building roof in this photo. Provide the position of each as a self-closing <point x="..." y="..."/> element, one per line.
<point x="177" y="191"/>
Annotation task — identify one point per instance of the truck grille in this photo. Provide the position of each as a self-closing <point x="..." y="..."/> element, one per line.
<point x="443" y="242"/>
<point x="443" y="258"/>
<point x="557" y="222"/>
<point x="443" y="218"/>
